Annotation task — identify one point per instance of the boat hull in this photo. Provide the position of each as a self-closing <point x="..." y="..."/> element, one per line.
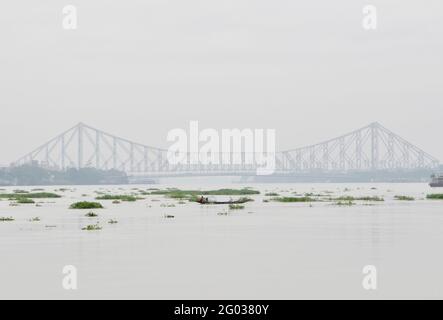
<point x="223" y="202"/>
<point x="436" y="185"/>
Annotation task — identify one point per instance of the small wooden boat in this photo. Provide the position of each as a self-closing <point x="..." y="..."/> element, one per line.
<point x="437" y="181"/>
<point x="205" y="200"/>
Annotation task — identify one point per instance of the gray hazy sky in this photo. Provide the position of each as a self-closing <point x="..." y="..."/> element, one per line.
<point x="138" y="68"/>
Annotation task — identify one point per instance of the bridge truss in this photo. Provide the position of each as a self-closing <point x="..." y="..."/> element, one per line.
<point x="370" y="148"/>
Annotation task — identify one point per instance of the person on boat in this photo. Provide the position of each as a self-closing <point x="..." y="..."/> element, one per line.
<point x="202" y="200"/>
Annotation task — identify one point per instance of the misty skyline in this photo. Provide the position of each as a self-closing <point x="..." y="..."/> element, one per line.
<point x="137" y="70"/>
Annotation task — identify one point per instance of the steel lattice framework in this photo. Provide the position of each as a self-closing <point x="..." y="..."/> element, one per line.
<point x="370" y="148"/>
<point x="84" y="146"/>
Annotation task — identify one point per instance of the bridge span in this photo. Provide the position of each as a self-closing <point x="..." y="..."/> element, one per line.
<point x="371" y="148"/>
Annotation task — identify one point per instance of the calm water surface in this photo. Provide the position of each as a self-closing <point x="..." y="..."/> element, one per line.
<point x="268" y="250"/>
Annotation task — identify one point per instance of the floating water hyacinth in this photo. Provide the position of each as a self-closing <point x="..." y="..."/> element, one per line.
<point x="92" y="227"/>
<point x="91" y="215"/>
<point x="86" y="205"/>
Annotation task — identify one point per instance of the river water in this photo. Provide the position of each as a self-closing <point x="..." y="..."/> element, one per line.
<point x="268" y="250"/>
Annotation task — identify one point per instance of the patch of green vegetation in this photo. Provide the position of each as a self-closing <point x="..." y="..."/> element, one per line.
<point x="193" y="198"/>
<point x="86" y="205"/>
<point x="111" y="221"/>
<point x="20" y="191"/>
<point x="91" y="215"/>
<point x="435" y="196"/>
<point x="345" y="203"/>
<point x="25" y="201"/>
<point x="92" y="227"/>
<point x="33" y="195"/>
<point x="121" y="197"/>
<point x="236" y="207"/>
<point x="4" y="219"/>
<point x="272" y="194"/>
<point x="372" y="198"/>
<point x="42" y="195"/>
<point x="404" y="198"/>
<point x="294" y="199"/>
<point x="365" y="198"/>
<point x="343" y="198"/>
<point x="186" y="194"/>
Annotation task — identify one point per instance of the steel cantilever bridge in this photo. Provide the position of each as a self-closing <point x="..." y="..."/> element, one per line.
<point x="370" y="148"/>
